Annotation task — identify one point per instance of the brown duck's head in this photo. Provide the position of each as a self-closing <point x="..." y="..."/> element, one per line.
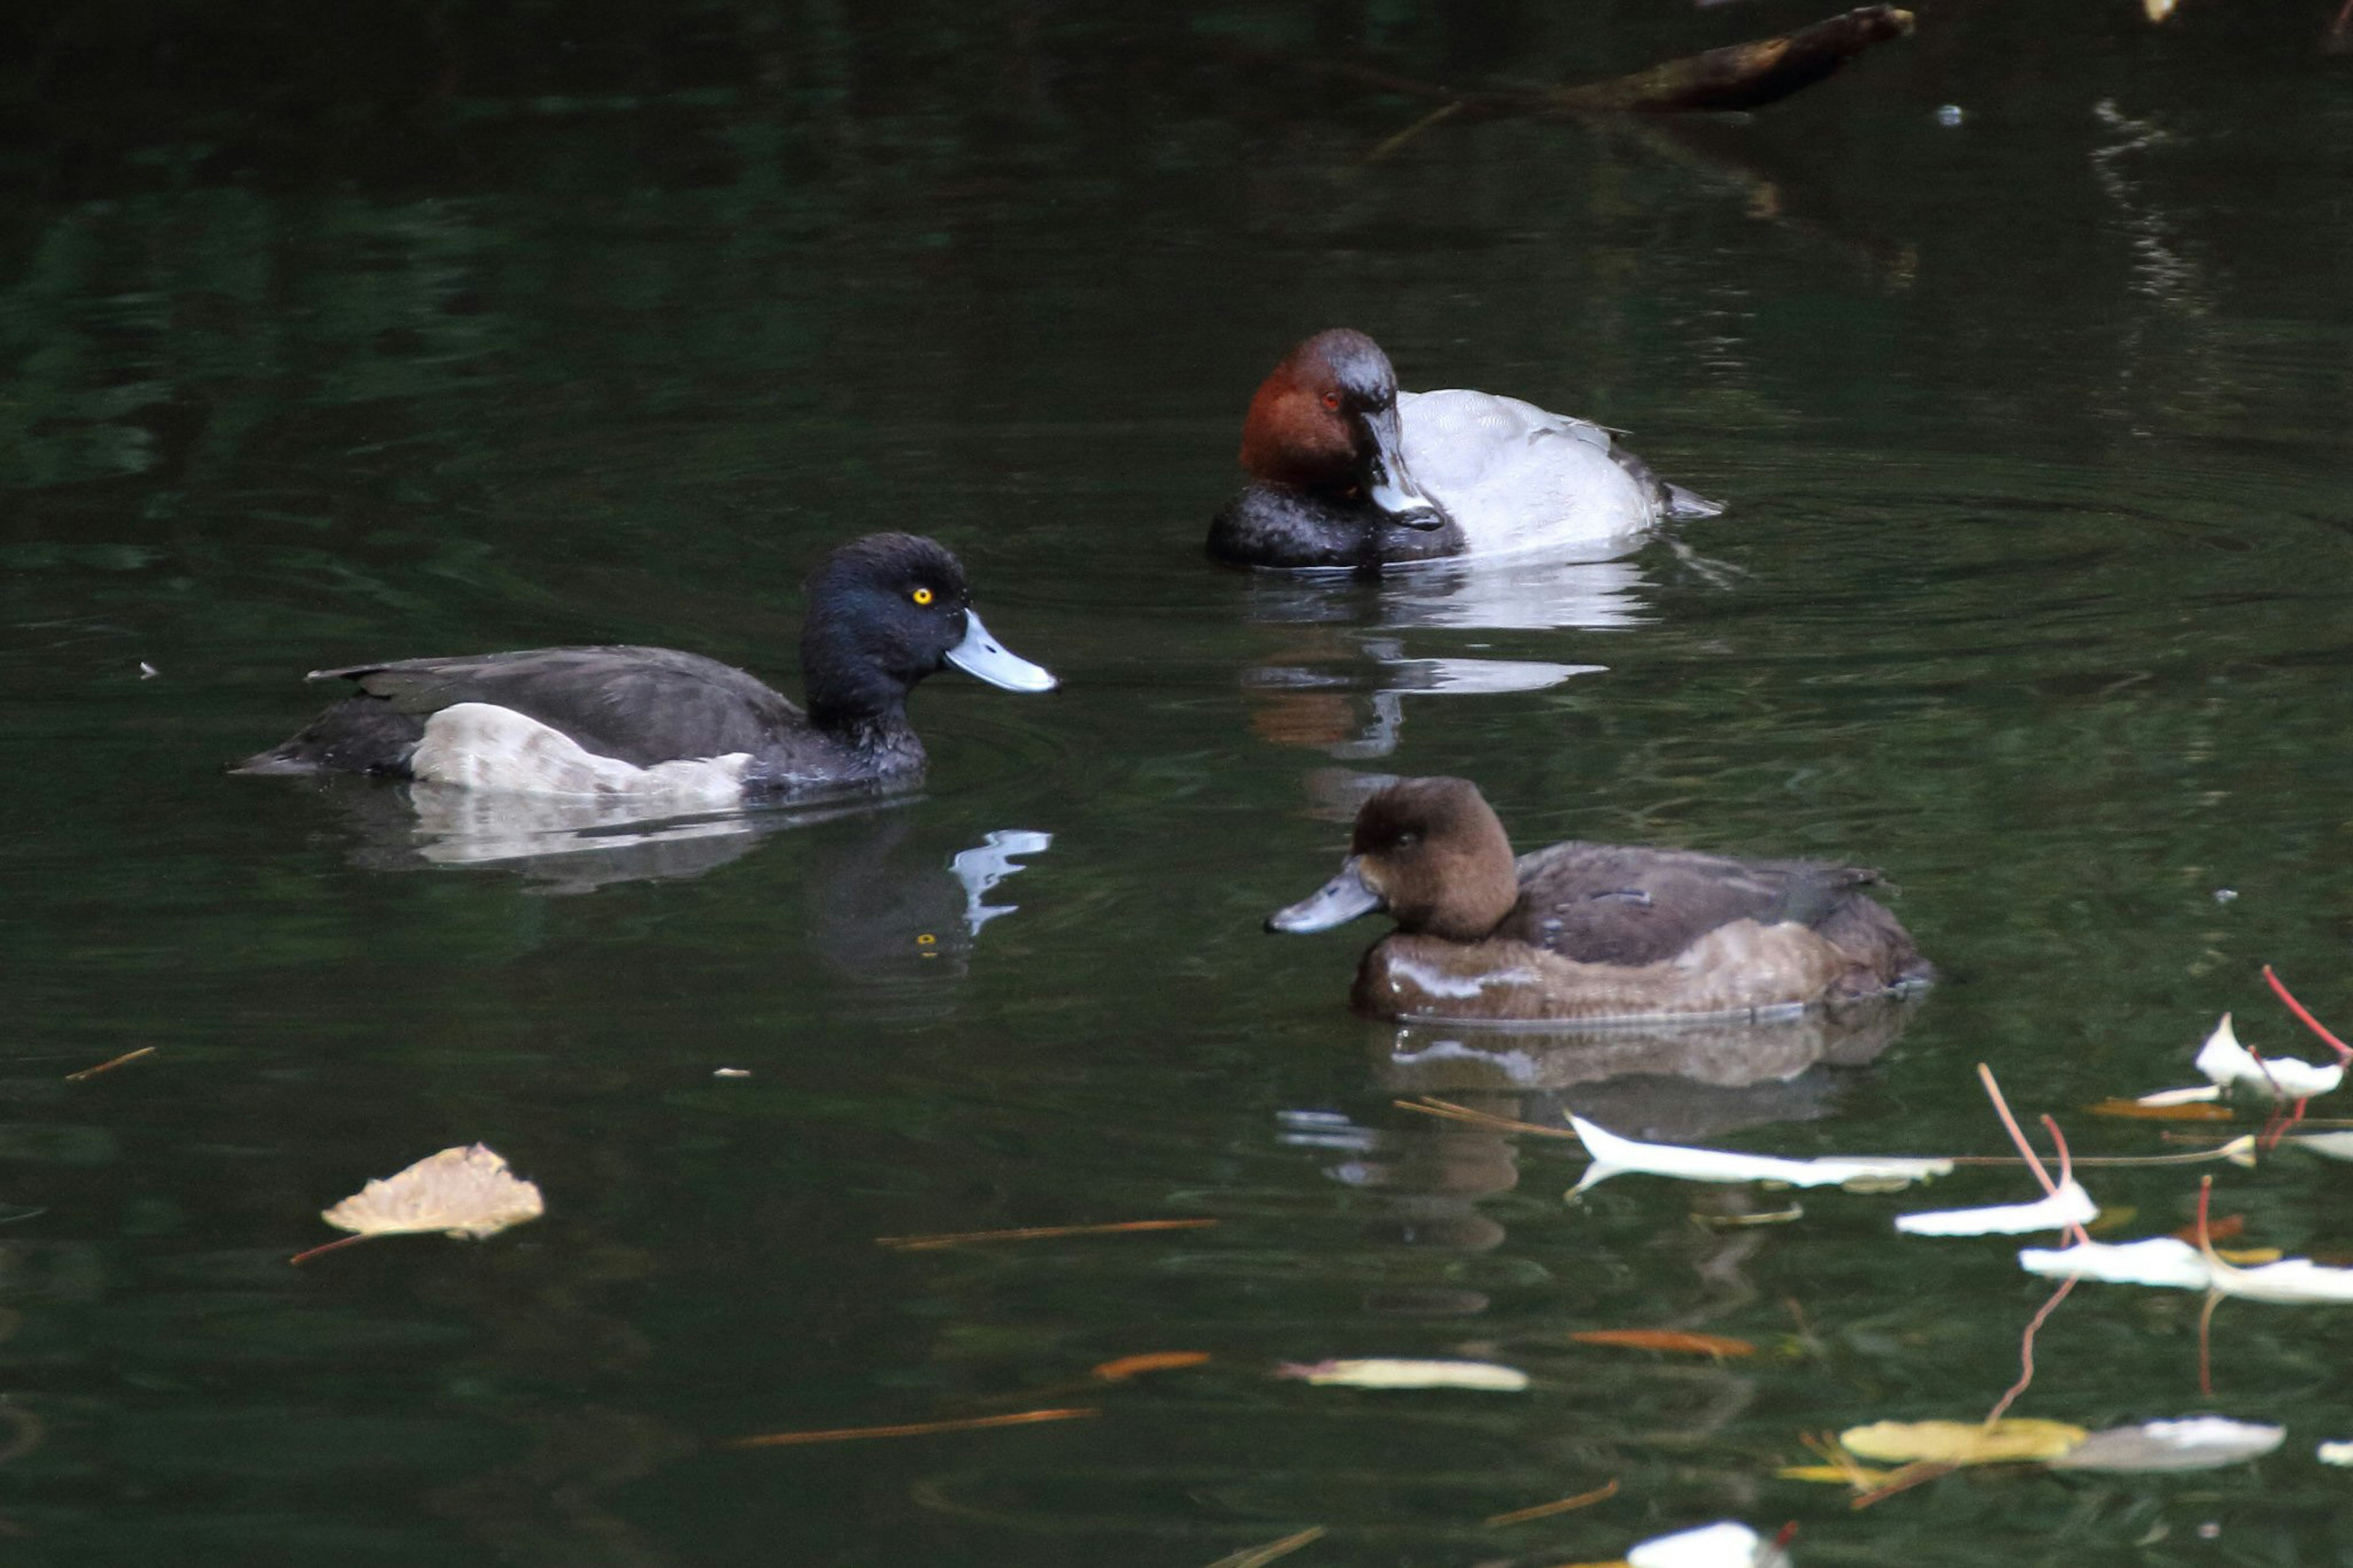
<point x="1432" y="853"/>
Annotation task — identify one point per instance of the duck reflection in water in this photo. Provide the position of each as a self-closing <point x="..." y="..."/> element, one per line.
<point x="1354" y="714"/>
<point x="884" y="900"/>
<point x="1686" y="1082"/>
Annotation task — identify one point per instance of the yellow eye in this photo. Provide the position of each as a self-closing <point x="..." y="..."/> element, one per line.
<point x="920" y="595"/>
<point x="925" y="939"/>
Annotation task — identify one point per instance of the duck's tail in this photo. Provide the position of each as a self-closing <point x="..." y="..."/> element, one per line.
<point x="1680" y="502"/>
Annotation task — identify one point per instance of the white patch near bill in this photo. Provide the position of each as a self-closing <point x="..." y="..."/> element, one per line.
<point x="480" y="745"/>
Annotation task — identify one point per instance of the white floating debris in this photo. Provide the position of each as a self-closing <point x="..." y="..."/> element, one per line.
<point x="465" y="1191"/>
<point x="2330" y="1145"/>
<point x="2173" y="1264"/>
<point x="2195" y="1443"/>
<point x="2070" y="1205"/>
<point x="2230" y="1065"/>
<point x="2192" y="1095"/>
<point x="148" y="671"/>
<point x="2163" y="1260"/>
<point x="2226" y="895"/>
<point x="1381" y="1373"/>
<point x="1725" y="1544"/>
<point x="731" y="1072"/>
<point x="1613" y="1155"/>
<point x="2335" y="1454"/>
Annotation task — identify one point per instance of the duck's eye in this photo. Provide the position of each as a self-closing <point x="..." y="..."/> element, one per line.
<point x="926" y="940"/>
<point x="1408" y="840"/>
<point x="1331" y="401"/>
<point x="920" y="595"/>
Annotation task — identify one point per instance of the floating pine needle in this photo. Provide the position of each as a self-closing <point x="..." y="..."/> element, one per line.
<point x="1453" y="1112"/>
<point x="1260" y="1556"/>
<point x="915" y="1429"/>
<point x="1716" y="1345"/>
<point x="110" y="1065"/>
<point x="1036" y="1233"/>
<point x="465" y="1190"/>
<point x="1127" y="1366"/>
<point x="1601" y="1493"/>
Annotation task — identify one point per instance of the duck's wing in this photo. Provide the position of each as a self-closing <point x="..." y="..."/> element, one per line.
<point x="1602" y="903"/>
<point x="642" y="705"/>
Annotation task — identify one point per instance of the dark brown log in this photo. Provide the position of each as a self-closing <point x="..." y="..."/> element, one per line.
<point x="1743" y="76"/>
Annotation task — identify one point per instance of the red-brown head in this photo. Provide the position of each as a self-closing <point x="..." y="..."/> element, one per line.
<point x="1326" y="421"/>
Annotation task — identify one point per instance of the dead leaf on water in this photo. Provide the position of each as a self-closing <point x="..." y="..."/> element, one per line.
<point x="2005" y="1442"/>
<point x="1716" y="1345"/>
<point x="1835" y="1475"/>
<point x="2195" y="1111"/>
<point x="465" y="1190"/>
<point x="2198" y="1443"/>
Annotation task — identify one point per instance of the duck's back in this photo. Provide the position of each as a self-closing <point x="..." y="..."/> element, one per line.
<point x="1516" y="477"/>
<point x="640" y="705"/>
<point x="1604" y="932"/>
<point x="1607" y="903"/>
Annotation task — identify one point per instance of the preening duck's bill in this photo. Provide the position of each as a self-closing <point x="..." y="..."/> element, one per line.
<point x="1337" y="902"/>
<point x="1389" y="484"/>
<point x="984" y="658"/>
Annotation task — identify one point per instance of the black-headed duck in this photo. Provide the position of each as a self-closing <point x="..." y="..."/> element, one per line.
<point x="1346" y="471"/>
<point x="1592" y="931"/>
<point x="883" y="613"/>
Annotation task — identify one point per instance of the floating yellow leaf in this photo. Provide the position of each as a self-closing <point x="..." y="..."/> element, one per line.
<point x="2006" y="1442"/>
<point x="461" y="1192"/>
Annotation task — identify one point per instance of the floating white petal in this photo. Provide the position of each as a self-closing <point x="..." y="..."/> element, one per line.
<point x="2195" y="1094"/>
<point x="2172" y="1263"/>
<point x="2160" y="1260"/>
<point x="2232" y="1066"/>
<point x="2335" y="1454"/>
<point x="2071" y="1205"/>
<point x="1613" y="1155"/>
<point x="1383" y="1372"/>
<point x="2196" y="1443"/>
<point x="1727" y="1544"/>
<point x="2332" y="1145"/>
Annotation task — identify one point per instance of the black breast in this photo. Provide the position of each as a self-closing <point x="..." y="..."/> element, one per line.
<point x="1268" y="525"/>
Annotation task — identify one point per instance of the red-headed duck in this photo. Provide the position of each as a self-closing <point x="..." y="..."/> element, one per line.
<point x="1346" y="471"/>
<point x="1591" y="933"/>
<point x="884" y="612"/>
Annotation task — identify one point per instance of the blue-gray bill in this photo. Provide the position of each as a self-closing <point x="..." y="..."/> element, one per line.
<point x="1337" y="902"/>
<point x="984" y="658"/>
<point x="1389" y="484"/>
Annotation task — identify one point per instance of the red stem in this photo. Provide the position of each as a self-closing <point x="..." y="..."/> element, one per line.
<point x="2344" y="1052"/>
<point x="2026" y="1350"/>
<point x="328" y="1247"/>
<point x="2017" y="1136"/>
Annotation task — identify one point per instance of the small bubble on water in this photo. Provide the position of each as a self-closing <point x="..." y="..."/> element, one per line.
<point x="1950" y="114"/>
<point x="2225" y="895"/>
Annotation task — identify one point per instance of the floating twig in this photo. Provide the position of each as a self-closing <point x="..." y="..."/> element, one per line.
<point x="1036" y="1233"/>
<point x="110" y="1065"/>
<point x="1431" y="1105"/>
<point x="1260" y="1556"/>
<point x="915" y="1429"/>
<point x="1601" y="1493"/>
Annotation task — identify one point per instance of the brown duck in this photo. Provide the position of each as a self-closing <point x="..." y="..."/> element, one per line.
<point x="1592" y="932"/>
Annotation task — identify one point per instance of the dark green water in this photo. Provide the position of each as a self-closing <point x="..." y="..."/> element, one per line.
<point x="391" y="333"/>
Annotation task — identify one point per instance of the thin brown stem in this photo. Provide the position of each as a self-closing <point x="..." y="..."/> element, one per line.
<point x="2026" y="1350"/>
<point x="2279" y="987"/>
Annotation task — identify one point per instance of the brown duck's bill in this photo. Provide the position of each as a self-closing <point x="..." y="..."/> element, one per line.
<point x="1337" y="902"/>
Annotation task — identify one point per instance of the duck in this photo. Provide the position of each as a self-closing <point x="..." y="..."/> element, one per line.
<point x="1593" y="933"/>
<point x="883" y="613"/>
<point x="1347" y="471"/>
